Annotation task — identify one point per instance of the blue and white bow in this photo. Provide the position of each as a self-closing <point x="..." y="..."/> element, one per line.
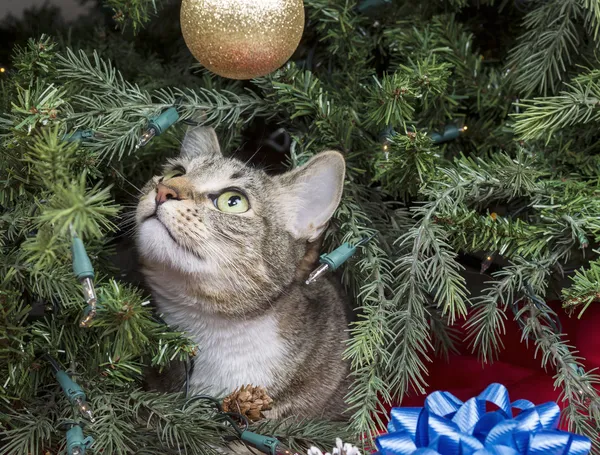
<point x="447" y="426"/>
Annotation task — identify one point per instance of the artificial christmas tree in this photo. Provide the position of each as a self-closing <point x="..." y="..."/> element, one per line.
<point x="468" y="128"/>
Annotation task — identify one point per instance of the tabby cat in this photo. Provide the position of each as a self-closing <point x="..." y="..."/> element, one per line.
<point x="226" y="250"/>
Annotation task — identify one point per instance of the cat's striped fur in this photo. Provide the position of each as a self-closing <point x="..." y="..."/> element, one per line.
<point x="235" y="281"/>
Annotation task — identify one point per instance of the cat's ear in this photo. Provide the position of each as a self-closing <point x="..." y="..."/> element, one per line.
<point x="200" y="141"/>
<point x="311" y="193"/>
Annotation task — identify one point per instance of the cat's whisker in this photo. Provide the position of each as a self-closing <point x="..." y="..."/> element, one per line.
<point x="128" y="223"/>
<point x="125" y="231"/>
<point x="240" y="243"/>
<point x="128" y="227"/>
<point x="244" y="292"/>
<point x="129" y="193"/>
<point x="126" y="219"/>
<point x="252" y="287"/>
<point x="240" y="274"/>
<point x="221" y="268"/>
<point x="252" y="157"/>
<point x="125" y="179"/>
<point x="129" y="213"/>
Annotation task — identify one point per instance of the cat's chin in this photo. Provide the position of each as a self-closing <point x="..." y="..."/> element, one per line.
<point x="157" y="244"/>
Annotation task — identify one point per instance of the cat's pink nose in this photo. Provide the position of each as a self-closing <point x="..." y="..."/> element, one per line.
<point x="164" y="193"/>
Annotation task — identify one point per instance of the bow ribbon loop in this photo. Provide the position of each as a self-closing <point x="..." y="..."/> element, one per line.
<point x="447" y="426"/>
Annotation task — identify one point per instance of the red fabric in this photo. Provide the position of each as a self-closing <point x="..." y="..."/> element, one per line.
<point x="517" y="368"/>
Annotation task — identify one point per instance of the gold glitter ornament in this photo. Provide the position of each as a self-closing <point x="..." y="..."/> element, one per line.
<point x="242" y="39"/>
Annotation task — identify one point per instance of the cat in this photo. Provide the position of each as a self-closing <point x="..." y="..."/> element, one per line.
<point x="226" y="249"/>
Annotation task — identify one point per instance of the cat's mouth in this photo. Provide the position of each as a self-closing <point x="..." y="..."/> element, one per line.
<point x="171" y="236"/>
<point x="155" y="217"/>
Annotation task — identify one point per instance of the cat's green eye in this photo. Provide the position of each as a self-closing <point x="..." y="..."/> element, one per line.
<point x="172" y="173"/>
<point x="232" y="202"/>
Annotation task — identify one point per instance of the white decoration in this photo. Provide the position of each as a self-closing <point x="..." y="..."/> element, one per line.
<point x="340" y="449"/>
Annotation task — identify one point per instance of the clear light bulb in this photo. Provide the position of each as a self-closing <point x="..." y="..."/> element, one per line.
<point x="386" y="151"/>
<point x="283" y="450"/>
<point x="487" y="262"/>
<point x="89" y="293"/>
<point x="316" y="274"/>
<point x="146" y="137"/>
<point x="85" y="410"/>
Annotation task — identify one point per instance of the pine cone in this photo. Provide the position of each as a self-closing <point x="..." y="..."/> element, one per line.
<point x="249" y="401"/>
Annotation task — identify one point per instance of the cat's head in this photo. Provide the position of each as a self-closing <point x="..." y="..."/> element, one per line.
<point x="233" y="234"/>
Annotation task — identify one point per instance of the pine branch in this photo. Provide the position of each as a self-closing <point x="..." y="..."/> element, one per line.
<point x="407" y="333"/>
<point x="572" y="152"/>
<point x="472" y="232"/>
<point x="584" y="289"/>
<point x="441" y="275"/>
<point x="113" y="432"/>
<point x="300" y="434"/>
<point x="582" y="410"/>
<point x="129" y="323"/>
<point x="36" y="106"/>
<point x="511" y="238"/>
<point x="411" y="340"/>
<point x="368" y="346"/>
<point x="592" y="16"/>
<point x="49" y="284"/>
<point x="391" y="99"/>
<point x="301" y="97"/>
<point x="426" y="271"/>
<point x="88" y="211"/>
<point x="135" y="13"/>
<point x="15" y="350"/>
<point x="118" y="111"/>
<point x="188" y="428"/>
<point x="50" y="159"/>
<point x="543" y="117"/>
<point x="545" y="50"/>
<point x="28" y="434"/>
<point x="487" y="324"/>
<point x="35" y="60"/>
<point x="336" y="22"/>
<point x="445" y="338"/>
